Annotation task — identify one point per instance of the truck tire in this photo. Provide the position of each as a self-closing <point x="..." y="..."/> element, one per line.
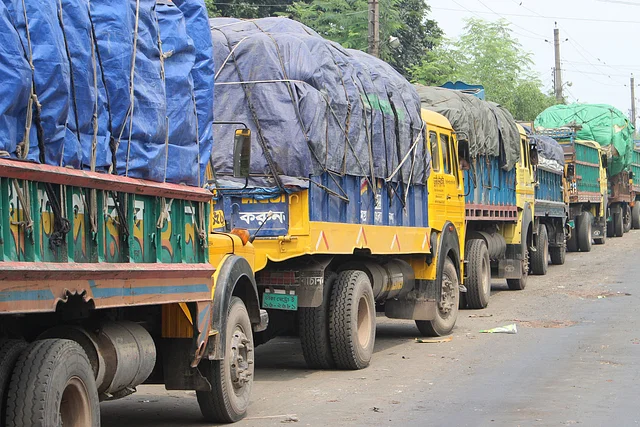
<point x="626" y="217"/>
<point x="478" y="281"/>
<point x="313" y="324"/>
<point x="447" y="313"/>
<point x="635" y="216"/>
<point x="558" y="254"/>
<point x="618" y="224"/>
<point x="53" y="385"/>
<point x="521" y="283"/>
<point x="584" y="231"/>
<point x="352" y="320"/>
<point x="540" y="258"/>
<point x="10" y="350"/>
<point x="231" y="378"/>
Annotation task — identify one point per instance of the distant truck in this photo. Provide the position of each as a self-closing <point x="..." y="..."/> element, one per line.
<point x="586" y="183"/>
<point x="498" y="202"/>
<point x="635" y="169"/>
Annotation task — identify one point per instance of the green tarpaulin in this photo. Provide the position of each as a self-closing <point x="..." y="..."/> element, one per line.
<point x="602" y="123"/>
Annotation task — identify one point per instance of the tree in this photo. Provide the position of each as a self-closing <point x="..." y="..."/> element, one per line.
<point x="437" y="66"/>
<point x="529" y="101"/>
<point x="249" y="9"/>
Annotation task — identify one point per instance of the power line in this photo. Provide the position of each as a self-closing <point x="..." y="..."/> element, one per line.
<point x="567" y="18"/>
<point x="512" y="23"/>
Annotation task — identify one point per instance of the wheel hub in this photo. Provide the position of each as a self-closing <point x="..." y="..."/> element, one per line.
<point x="241" y="359"/>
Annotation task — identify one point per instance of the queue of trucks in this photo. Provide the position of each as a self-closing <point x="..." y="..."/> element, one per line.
<point x="328" y="193"/>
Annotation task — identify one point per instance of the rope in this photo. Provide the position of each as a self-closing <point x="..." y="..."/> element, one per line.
<point x="25" y="201"/>
<point x="131" y="87"/>
<point x="164" y="212"/>
<point x="71" y="78"/>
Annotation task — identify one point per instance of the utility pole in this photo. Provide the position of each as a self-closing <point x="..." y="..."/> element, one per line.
<point x="633" y="101"/>
<point x="557" y="78"/>
<point x="374" y="28"/>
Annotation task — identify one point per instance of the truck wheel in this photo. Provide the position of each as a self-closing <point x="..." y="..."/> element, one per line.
<point x="447" y="310"/>
<point x="635" y="216"/>
<point x="558" y="254"/>
<point x="313" y="324"/>
<point x="618" y="224"/>
<point x="231" y="378"/>
<point x="585" y="227"/>
<point x="521" y="283"/>
<point x="352" y="320"/>
<point x="10" y="350"/>
<point x="626" y="216"/>
<point x="478" y="282"/>
<point x="53" y="385"/>
<point x="540" y="258"/>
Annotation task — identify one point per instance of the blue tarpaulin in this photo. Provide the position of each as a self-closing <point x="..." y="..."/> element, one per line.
<point x="179" y="57"/>
<point x="195" y="14"/>
<point x="15" y="89"/>
<point x="103" y="86"/>
<point x="42" y="37"/>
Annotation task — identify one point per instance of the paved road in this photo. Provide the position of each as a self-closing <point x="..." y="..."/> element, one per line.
<point x="574" y="361"/>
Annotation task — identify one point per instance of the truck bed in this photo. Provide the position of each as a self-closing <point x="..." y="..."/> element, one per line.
<point x="490" y="191"/>
<point x="156" y="255"/>
<point x="549" y="200"/>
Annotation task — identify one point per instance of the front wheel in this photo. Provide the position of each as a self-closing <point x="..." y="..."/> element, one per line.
<point x="618" y="224"/>
<point x="585" y="231"/>
<point x="53" y="385"/>
<point x="352" y="320"/>
<point x="627" y="218"/>
<point x="448" y="306"/>
<point x="231" y="378"/>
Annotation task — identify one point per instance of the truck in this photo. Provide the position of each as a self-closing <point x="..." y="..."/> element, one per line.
<point x="498" y="199"/>
<point x="635" y="170"/>
<point x="551" y="229"/>
<point x="608" y="135"/>
<point x="586" y="183"/>
<point x="351" y="231"/>
<point x="110" y="273"/>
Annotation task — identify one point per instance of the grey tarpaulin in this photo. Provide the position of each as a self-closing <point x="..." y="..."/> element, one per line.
<point x="489" y="128"/>
<point x="312" y="106"/>
<point x="550" y="153"/>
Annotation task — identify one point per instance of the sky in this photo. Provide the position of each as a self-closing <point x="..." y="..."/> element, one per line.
<point x="598" y="58"/>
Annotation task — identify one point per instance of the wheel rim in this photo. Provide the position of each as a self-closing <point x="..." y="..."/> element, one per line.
<point x="364" y="322"/>
<point x="448" y="299"/>
<point x="241" y="360"/>
<point x="75" y="409"/>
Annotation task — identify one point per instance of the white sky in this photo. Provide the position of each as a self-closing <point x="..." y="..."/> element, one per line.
<point x="601" y="53"/>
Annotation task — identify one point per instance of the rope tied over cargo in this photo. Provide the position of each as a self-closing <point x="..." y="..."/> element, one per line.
<point x="165" y="212"/>
<point x="25" y="202"/>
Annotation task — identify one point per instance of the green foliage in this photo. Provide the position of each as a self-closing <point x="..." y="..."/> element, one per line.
<point x="248" y="9"/>
<point x="488" y="54"/>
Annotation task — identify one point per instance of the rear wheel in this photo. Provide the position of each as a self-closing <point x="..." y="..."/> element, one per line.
<point x="352" y="320"/>
<point x="626" y="218"/>
<point x="539" y="258"/>
<point x="447" y="310"/>
<point x="635" y="216"/>
<point x="314" y="330"/>
<point x="521" y="283"/>
<point x="558" y="254"/>
<point x="478" y="281"/>
<point x="10" y="350"/>
<point x="584" y="231"/>
<point x="231" y="378"/>
<point x="618" y="224"/>
<point x="53" y="385"/>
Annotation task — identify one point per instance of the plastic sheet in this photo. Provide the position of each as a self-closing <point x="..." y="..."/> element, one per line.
<point x="313" y="106"/>
<point x="15" y="87"/>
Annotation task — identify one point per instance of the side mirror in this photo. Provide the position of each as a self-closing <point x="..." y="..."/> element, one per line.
<point x="464" y="156"/>
<point x="604" y="160"/>
<point x="533" y="154"/>
<point x="242" y="153"/>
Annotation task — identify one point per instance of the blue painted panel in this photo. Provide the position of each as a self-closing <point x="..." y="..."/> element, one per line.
<point x="549" y="186"/>
<point x="250" y="213"/>
<point x="490" y="184"/>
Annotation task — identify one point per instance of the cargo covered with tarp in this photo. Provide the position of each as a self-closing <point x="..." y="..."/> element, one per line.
<point x="111" y="87"/>
<point x="601" y="123"/>
<point x="550" y="152"/>
<point x="314" y="109"/>
<point x="488" y="127"/>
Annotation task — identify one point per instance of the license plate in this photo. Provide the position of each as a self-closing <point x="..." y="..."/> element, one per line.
<point x="280" y="301"/>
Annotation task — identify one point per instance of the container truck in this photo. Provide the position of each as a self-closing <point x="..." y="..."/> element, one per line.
<point x="635" y="169"/>
<point x="612" y="132"/>
<point x="109" y="277"/>
<point x="337" y="205"/>
<point x="498" y="191"/>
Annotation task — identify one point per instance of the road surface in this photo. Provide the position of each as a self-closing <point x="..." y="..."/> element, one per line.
<point x="574" y="361"/>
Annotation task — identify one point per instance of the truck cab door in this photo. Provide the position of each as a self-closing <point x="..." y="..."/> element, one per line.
<point x="436" y="182"/>
<point x="454" y="194"/>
